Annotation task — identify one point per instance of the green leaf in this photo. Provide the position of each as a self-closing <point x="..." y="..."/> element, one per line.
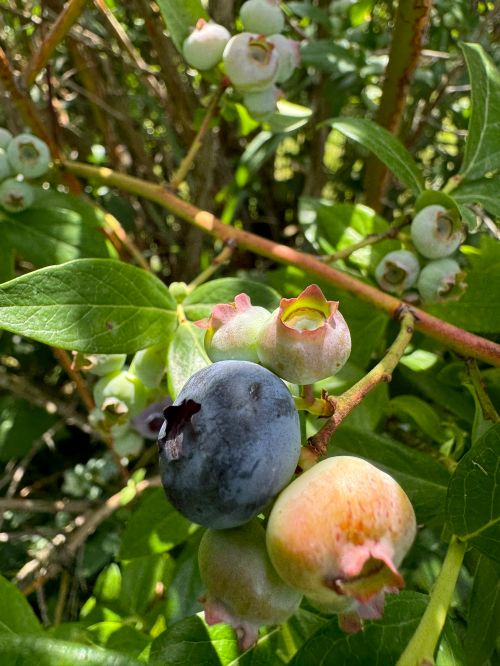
<point x="21" y="423"/>
<point x="118" y="636"/>
<point x="483" y="192"/>
<point x="425" y="417"/>
<point x="154" y="527"/>
<point x="7" y="261"/>
<point x="473" y="501"/>
<point x="191" y="642"/>
<point x="15" y="611"/>
<point x="186" y="355"/>
<point x="380" y="642"/>
<point x="385" y="146"/>
<point x="22" y="651"/>
<point x="482" y="148"/>
<point x="186" y="587"/>
<point x="423" y="479"/>
<point x="139" y="579"/>
<point x="200" y="302"/>
<point x="57" y="228"/>
<point x="89" y="305"/>
<point x="483" y="618"/>
<point x="181" y="17"/>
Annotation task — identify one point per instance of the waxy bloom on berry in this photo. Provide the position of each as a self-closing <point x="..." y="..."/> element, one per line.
<point x="232" y="330"/>
<point x="306" y="339"/>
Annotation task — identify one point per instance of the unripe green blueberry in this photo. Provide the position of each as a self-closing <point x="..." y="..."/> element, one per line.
<point x="338" y="533"/>
<point x="232" y="330"/>
<point x="120" y="387"/>
<point x="149" y="365"/>
<point x="5" y="166"/>
<point x="29" y="155"/>
<point x="441" y="280"/>
<point x="5" y="137"/>
<point x="262" y="16"/>
<point x="100" y="364"/>
<point x="262" y="103"/>
<point x="204" y="46"/>
<point x="243" y="589"/>
<point x="397" y="271"/>
<point x="289" y="54"/>
<point x="15" y="196"/>
<point x="434" y="233"/>
<point x="306" y="339"/>
<point x="251" y="62"/>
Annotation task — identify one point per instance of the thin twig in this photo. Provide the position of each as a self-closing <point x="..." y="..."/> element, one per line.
<point x="382" y="372"/>
<point x="461" y="341"/>
<point x="487" y="406"/>
<point x="80" y="384"/>
<point x="43" y="506"/>
<point x="223" y="257"/>
<point x="370" y="239"/>
<point x="56" y="34"/>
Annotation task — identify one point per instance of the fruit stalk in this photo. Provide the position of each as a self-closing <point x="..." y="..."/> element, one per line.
<point x="457" y="339"/>
<point x="421" y="648"/>
<point x="352" y="397"/>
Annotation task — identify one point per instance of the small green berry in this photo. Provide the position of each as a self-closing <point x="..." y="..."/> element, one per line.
<point x="149" y="365"/>
<point x="251" y="61"/>
<point x="261" y="103"/>
<point x="15" y="195"/>
<point x="289" y="56"/>
<point x="434" y="233"/>
<point x="5" y="167"/>
<point x="29" y="155"/>
<point x="441" y="280"/>
<point x="262" y="16"/>
<point x="129" y="443"/>
<point x="397" y="271"/>
<point x="204" y="46"/>
<point x="120" y="387"/>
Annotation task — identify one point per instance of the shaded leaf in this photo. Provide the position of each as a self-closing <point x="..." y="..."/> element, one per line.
<point x="21" y="423"/>
<point x="473" y="501"/>
<point x="90" y="305"/>
<point x="385" y="146"/>
<point x="482" y="148"/>
<point x="154" y="527"/>
<point x="139" y="579"/>
<point x="483" y="192"/>
<point x="15" y="612"/>
<point x="483" y="618"/>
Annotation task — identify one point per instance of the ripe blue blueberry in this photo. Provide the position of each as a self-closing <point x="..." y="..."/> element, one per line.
<point x="229" y="444"/>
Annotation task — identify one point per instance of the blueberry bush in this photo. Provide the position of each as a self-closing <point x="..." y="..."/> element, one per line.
<point x="249" y="322"/>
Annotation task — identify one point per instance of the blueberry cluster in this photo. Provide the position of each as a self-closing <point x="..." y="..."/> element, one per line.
<point x="436" y="236"/>
<point x="21" y="158"/>
<point x="128" y="398"/>
<point x="254" y="60"/>
<point x="229" y="447"/>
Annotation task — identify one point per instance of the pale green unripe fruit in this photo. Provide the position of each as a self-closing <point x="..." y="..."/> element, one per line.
<point x="5" y="167"/>
<point x="149" y="365"/>
<point x="101" y="364"/>
<point x="289" y="54"/>
<point x="243" y="589"/>
<point x="262" y="16"/>
<point x="129" y="443"/>
<point x="261" y="103"/>
<point x="15" y="196"/>
<point x="397" y="271"/>
<point x="251" y="62"/>
<point x="204" y="46"/>
<point x="441" y="280"/>
<point x="28" y="155"/>
<point x="5" y="137"/>
<point x="121" y="386"/>
<point x="433" y="233"/>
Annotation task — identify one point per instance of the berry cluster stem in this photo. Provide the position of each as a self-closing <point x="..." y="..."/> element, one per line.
<point x="421" y="648"/>
<point x="382" y="372"/>
<point x="457" y="339"/>
<point x="370" y="239"/>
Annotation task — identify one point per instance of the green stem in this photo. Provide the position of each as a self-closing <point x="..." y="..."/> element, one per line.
<point x="318" y="406"/>
<point x="422" y="646"/>
<point x="487" y="407"/>
<point x="461" y="341"/>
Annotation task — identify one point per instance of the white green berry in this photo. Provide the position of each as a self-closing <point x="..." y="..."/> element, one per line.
<point x="28" y="155"/>
<point x="434" y="233"/>
<point x="261" y="103"/>
<point x="251" y="62"/>
<point x="15" y="195"/>
<point x="289" y="56"/>
<point x="204" y="46"/>
<point x="441" y="280"/>
<point x="397" y="271"/>
<point x="5" y="167"/>
<point x="262" y="16"/>
<point x="5" y="137"/>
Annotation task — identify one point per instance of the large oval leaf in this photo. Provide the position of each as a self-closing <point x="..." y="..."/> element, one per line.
<point x="89" y="305"/>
